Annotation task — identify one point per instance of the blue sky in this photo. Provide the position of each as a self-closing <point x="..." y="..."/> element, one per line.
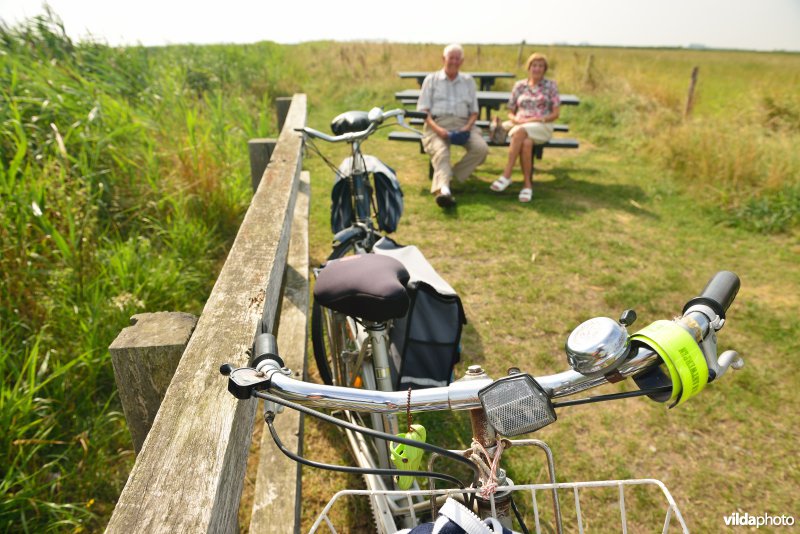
<point x="762" y="25"/>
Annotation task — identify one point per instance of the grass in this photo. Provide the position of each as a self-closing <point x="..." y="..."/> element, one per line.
<point x="639" y="217"/>
<point x="123" y="176"/>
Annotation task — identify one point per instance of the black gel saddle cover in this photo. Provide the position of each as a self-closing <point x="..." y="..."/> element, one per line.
<point x="368" y="286"/>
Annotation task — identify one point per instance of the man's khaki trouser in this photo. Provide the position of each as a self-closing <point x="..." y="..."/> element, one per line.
<point x="439" y="151"/>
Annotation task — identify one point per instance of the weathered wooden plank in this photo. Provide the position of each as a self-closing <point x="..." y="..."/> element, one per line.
<point x="145" y="356"/>
<point x="278" y="478"/>
<point x="189" y="474"/>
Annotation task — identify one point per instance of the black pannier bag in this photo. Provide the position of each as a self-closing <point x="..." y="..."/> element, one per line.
<point x="388" y="196"/>
<point x="425" y="344"/>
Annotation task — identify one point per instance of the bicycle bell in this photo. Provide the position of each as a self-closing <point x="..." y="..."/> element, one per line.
<point x="598" y="346"/>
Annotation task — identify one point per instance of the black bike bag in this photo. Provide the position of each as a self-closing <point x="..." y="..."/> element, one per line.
<point x="425" y="344"/>
<point x="388" y="196"/>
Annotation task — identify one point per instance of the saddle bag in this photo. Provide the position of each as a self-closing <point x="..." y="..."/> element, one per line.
<point x="425" y="344"/>
<point x="388" y="196"/>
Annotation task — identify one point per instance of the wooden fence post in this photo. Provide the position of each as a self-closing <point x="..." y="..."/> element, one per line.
<point x="588" y="73"/>
<point x="260" y="153"/>
<point x="281" y="109"/>
<point x="145" y="356"/>
<point x="690" y="97"/>
<point x="521" y="50"/>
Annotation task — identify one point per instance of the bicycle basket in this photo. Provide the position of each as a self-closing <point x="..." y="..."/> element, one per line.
<point x="636" y="505"/>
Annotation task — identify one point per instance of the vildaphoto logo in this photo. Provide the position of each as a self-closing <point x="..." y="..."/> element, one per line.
<point x="763" y="520"/>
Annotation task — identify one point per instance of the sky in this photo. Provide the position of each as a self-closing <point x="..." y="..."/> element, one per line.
<point x="737" y="24"/>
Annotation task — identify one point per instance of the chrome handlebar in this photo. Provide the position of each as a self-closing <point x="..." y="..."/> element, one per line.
<point x="463" y="394"/>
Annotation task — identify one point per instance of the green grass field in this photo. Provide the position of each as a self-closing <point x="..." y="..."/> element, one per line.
<point x="124" y="175"/>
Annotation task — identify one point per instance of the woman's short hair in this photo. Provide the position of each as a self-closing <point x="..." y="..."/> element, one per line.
<point x="534" y="57"/>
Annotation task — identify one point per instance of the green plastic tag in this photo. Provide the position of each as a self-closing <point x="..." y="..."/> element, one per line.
<point x="409" y="458"/>
<point x="682" y="356"/>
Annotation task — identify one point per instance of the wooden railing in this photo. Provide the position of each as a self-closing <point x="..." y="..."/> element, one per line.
<point x="189" y="473"/>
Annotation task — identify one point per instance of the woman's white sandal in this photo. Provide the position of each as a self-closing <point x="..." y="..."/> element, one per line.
<point x="500" y="185"/>
<point x="526" y="194"/>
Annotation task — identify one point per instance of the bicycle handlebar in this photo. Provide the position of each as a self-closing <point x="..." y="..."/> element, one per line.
<point x="701" y="320"/>
<point x="376" y="117"/>
<point x="460" y="395"/>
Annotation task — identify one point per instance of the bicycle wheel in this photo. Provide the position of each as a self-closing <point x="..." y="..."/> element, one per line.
<point x="331" y="333"/>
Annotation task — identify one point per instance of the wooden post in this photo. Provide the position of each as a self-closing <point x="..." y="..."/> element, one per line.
<point x="521" y="50"/>
<point x="145" y="356"/>
<point x="690" y="97"/>
<point x="281" y="109"/>
<point x="588" y="74"/>
<point x="260" y="153"/>
<point x="278" y="480"/>
<point x="189" y="474"/>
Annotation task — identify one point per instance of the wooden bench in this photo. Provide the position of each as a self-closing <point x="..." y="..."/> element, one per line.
<point x="538" y="150"/>
<point x="488" y="100"/>
<point x="483" y="124"/>
<point x="485" y="79"/>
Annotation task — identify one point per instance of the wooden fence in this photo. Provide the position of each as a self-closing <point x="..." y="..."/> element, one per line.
<point x="190" y="468"/>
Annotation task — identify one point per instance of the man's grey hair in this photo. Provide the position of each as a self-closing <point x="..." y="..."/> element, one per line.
<point x="453" y="48"/>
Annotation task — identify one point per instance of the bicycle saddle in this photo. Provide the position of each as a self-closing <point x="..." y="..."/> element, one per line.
<point x="350" y="121"/>
<point x="368" y="286"/>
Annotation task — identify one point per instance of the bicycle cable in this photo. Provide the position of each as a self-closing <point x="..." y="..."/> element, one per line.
<point x="313" y="147"/>
<point x="612" y="396"/>
<point x="382" y="435"/>
<point x="269" y="419"/>
<point x="519" y="516"/>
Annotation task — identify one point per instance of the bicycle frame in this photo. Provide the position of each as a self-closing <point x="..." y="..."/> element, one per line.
<point x="360" y="190"/>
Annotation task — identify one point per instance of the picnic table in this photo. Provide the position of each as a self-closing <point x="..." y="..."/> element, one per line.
<point x="485" y="79"/>
<point x="488" y="100"/>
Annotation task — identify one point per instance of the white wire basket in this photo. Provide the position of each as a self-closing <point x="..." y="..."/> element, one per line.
<point x="566" y="514"/>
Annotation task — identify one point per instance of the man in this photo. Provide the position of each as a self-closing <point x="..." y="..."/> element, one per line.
<point x="450" y="98"/>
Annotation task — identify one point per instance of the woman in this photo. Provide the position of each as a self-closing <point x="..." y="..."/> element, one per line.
<point x="533" y="107"/>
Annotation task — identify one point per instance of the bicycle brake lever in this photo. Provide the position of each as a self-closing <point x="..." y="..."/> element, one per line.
<point x="407" y="127"/>
<point x="729" y="358"/>
<point x="244" y="380"/>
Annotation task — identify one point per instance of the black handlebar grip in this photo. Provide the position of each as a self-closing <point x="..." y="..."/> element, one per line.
<point x="416" y="114"/>
<point x="718" y="293"/>
<point x="265" y="348"/>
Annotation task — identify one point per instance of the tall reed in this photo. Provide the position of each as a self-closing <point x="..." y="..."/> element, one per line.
<point x="123" y="180"/>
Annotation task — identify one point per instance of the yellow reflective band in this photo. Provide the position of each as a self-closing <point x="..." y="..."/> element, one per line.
<point x="681" y="354"/>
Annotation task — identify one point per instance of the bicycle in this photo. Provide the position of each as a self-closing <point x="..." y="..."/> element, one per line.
<point x="356" y="220"/>
<point x="670" y="361"/>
